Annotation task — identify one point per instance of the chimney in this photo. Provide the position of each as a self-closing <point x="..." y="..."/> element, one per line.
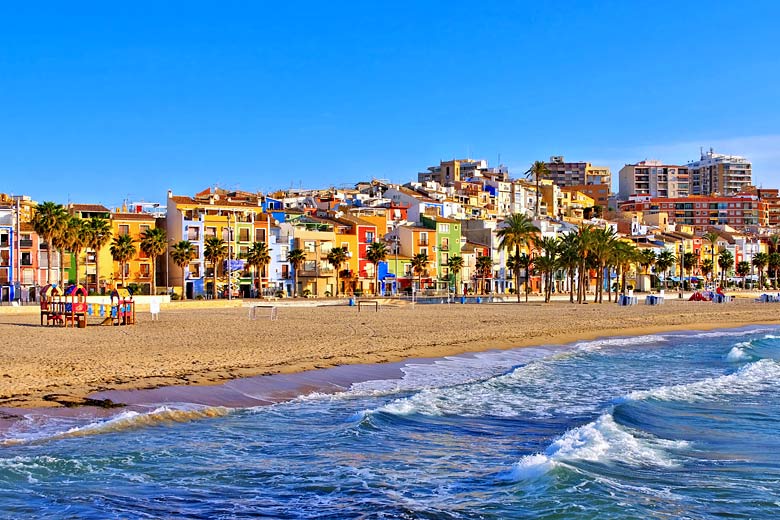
<point x="170" y="193"/>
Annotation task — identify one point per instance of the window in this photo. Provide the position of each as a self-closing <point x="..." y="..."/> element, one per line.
<point x="260" y="235"/>
<point x="127" y="269"/>
<point x="209" y="231"/>
<point x="369" y="237"/>
<point x="243" y="235"/>
<point x="309" y="246"/>
<point x="423" y="250"/>
<point x="285" y="271"/>
<point x="444" y="228"/>
<point x="193" y="233"/>
<point x="124" y="229"/>
<point x="310" y="265"/>
<point x="144" y="228"/>
<point x="407" y="269"/>
<point x="26" y="258"/>
<point x="145" y="270"/>
<point x="345" y="246"/>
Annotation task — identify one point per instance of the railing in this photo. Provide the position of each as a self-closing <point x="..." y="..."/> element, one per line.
<point x="25" y="243"/>
<point x="444" y="247"/>
<point x="422" y="242"/>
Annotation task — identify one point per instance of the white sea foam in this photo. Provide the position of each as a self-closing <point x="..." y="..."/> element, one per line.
<point x="752" y="378"/>
<point x="602" y="441"/>
<point x="739" y="352"/>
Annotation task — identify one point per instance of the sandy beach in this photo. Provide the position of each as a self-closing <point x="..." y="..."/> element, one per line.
<point x="49" y="366"/>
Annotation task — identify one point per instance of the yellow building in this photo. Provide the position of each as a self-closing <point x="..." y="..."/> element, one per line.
<point x="316" y="277"/>
<point x="138" y="270"/>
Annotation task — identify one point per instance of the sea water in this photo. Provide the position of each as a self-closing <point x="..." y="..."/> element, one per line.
<point x="679" y="425"/>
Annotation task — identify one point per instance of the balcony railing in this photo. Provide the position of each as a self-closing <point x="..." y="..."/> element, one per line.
<point x="422" y="242"/>
<point x="444" y="247"/>
<point x="25" y="243"/>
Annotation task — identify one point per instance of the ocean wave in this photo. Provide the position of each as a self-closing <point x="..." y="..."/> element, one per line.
<point x="123" y="421"/>
<point x="739" y="352"/>
<point x="603" y="441"/>
<point x="598" y="344"/>
<point x="752" y="378"/>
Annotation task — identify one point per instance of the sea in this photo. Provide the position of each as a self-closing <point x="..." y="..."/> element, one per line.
<point x="682" y="425"/>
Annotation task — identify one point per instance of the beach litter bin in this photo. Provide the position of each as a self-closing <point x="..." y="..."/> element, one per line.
<point x="352" y="302"/>
<point x="479" y="299"/>
<point x="462" y="299"/>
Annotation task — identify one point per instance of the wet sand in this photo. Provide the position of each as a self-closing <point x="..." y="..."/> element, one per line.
<point x="55" y="367"/>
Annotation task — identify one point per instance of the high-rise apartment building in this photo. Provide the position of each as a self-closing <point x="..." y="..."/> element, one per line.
<point x="447" y="173"/>
<point x="653" y="178"/>
<point x="565" y="173"/>
<point x="719" y="173"/>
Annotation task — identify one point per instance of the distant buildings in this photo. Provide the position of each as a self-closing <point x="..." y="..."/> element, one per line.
<point x="653" y="178"/>
<point x="740" y="212"/>
<point x="719" y="173"/>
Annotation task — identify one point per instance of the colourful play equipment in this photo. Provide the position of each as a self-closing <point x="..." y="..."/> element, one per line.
<point x="71" y="307"/>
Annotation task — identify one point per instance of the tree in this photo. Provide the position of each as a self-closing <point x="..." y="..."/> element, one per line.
<point x="455" y="264"/>
<point x="72" y="238"/>
<point x="215" y="250"/>
<point x="602" y="243"/>
<point x="49" y="221"/>
<point x="296" y="257"/>
<point x="99" y="235"/>
<point x="122" y="250"/>
<point x="257" y="258"/>
<point x="663" y="262"/>
<point x="760" y="261"/>
<point x="774" y="243"/>
<point x="689" y="259"/>
<point x="154" y="243"/>
<point x="182" y="254"/>
<point x="484" y="268"/>
<point x="377" y="252"/>
<point x="525" y="263"/>
<point x="725" y="262"/>
<point x="773" y="263"/>
<point x="712" y="238"/>
<point x="547" y="262"/>
<point x="419" y="265"/>
<point x="743" y="269"/>
<point x="706" y="267"/>
<point x="337" y="257"/>
<point x="585" y="241"/>
<point x="569" y="259"/>
<point x="518" y="231"/>
<point x="623" y="256"/>
<point x="537" y="172"/>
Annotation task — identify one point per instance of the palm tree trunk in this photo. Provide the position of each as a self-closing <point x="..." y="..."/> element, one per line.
<point x="122" y="267"/>
<point x="337" y="281"/>
<point x="183" y="284"/>
<point x="48" y="262"/>
<point x="571" y="285"/>
<point x="154" y="275"/>
<point x="62" y="269"/>
<point x="76" y="257"/>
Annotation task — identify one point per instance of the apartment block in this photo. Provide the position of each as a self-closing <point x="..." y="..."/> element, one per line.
<point x="720" y="174"/>
<point x="702" y="212"/>
<point x="653" y="178"/>
<point x="565" y="173"/>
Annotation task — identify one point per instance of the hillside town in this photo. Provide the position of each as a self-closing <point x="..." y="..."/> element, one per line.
<point x="461" y="227"/>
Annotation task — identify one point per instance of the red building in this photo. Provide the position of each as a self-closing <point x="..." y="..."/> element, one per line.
<point x="740" y="211"/>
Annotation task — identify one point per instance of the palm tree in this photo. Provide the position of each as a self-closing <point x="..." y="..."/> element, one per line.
<point x="377" y="252"/>
<point x="706" y="267"/>
<point x="79" y="236"/>
<point x="258" y="257"/>
<point x="518" y="231"/>
<point x="773" y="263"/>
<point x="689" y="259"/>
<point x="725" y="262"/>
<point x="296" y="257"/>
<point x="585" y="241"/>
<point x="537" y="171"/>
<point x="215" y="250"/>
<point x="525" y="263"/>
<point x="624" y="255"/>
<point x="99" y="235"/>
<point x="601" y="248"/>
<point x="484" y="268"/>
<point x="569" y="259"/>
<point x="712" y="238"/>
<point x="419" y="265"/>
<point x="547" y="262"/>
<point x="774" y="243"/>
<point x="182" y="254"/>
<point x="663" y="262"/>
<point x="154" y="243"/>
<point x="760" y="261"/>
<point x="646" y="259"/>
<point x="337" y="257"/>
<point x="49" y="221"/>
<point x="122" y="250"/>
<point x="743" y="269"/>
<point x="455" y="264"/>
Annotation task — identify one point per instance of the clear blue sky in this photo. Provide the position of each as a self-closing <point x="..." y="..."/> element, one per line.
<point x="100" y="102"/>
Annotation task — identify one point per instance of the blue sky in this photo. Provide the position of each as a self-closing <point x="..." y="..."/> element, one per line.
<point x="101" y="102"/>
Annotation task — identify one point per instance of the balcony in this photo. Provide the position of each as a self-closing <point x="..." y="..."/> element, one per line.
<point x="444" y="247"/>
<point x="25" y="244"/>
<point x="422" y="242"/>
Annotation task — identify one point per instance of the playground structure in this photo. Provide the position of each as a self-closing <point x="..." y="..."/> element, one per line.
<point x="71" y="307"/>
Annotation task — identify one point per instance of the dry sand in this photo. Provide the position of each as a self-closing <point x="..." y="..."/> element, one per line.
<point x="48" y="366"/>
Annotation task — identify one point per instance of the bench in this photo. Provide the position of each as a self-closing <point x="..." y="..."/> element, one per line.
<point x="375" y="303"/>
<point x="272" y="311"/>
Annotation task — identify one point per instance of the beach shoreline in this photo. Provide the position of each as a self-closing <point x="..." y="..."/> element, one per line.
<point x="56" y="367"/>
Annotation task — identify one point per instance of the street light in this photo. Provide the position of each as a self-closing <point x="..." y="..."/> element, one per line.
<point x="682" y="267"/>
